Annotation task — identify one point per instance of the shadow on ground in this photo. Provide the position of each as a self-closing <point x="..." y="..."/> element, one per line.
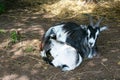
<point x="22" y="61"/>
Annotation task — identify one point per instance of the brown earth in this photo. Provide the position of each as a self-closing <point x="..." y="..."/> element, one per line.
<point x="22" y="61"/>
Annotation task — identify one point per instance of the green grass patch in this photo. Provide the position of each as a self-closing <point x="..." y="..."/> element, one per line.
<point x="15" y="36"/>
<point x="2" y="8"/>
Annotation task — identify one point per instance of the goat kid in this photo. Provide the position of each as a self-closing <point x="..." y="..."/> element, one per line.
<point x="63" y="55"/>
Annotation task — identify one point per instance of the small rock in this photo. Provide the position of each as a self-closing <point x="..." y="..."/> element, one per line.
<point x="118" y="63"/>
<point x="45" y="67"/>
<point x="104" y="59"/>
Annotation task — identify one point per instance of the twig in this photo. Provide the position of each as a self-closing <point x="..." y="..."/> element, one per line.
<point x="105" y="67"/>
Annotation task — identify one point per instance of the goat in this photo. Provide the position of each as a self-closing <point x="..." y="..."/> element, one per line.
<point x="63" y="55"/>
<point x="80" y="37"/>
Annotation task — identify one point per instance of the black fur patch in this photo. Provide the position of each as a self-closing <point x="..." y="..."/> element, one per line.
<point x="64" y="66"/>
<point x="76" y="36"/>
<point x="93" y="31"/>
<point x="49" y="58"/>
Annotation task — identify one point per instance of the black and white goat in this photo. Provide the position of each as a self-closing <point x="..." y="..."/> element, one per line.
<point x="81" y="37"/>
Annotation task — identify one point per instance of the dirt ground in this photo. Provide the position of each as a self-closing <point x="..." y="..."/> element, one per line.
<point x="22" y="61"/>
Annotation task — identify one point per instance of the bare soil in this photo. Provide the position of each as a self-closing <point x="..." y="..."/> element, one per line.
<point x="22" y="60"/>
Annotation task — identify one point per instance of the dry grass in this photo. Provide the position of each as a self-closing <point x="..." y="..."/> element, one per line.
<point x="68" y="8"/>
<point x="110" y="9"/>
<point x="74" y="8"/>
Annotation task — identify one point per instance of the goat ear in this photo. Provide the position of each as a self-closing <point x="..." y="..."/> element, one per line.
<point x="103" y="28"/>
<point x="83" y="27"/>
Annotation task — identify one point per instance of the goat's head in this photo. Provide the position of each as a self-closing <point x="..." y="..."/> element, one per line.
<point x="93" y="31"/>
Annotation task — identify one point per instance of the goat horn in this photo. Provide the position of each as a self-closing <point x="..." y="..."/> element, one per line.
<point x="98" y="23"/>
<point x="91" y="20"/>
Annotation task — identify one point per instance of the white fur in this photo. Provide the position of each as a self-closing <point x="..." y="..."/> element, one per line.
<point x="59" y="32"/>
<point x="90" y="56"/>
<point x="103" y="28"/>
<point x="64" y="55"/>
<point x="92" y="40"/>
<point x="61" y="35"/>
<point x="48" y="32"/>
<point x="88" y="31"/>
<point x="43" y="54"/>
